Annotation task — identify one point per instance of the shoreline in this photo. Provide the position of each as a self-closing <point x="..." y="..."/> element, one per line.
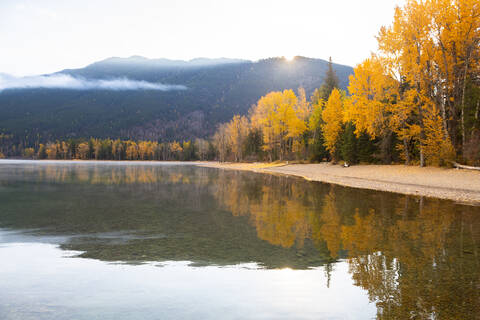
<point x="458" y="185"/>
<point x="462" y="186"/>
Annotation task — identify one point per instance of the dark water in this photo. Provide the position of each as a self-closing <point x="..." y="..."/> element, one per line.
<point x="162" y="241"/>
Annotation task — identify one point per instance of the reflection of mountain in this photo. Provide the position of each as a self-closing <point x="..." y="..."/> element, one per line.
<point x="417" y="258"/>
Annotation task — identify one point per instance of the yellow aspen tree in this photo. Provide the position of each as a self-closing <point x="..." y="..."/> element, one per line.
<point x="238" y="129"/>
<point x="286" y="124"/>
<point x="64" y="150"/>
<point x="437" y="148"/>
<point x="51" y="150"/>
<point x="82" y="151"/>
<point x="297" y="125"/>
<point x="220" y="140"/>
<point x="176" y="149"/>
<point x="117" y="149"/>
<point x="456" y="32"/>
<point x="273" y="115"/>
<point x="332" y="117"/>
<point x="132" y="150"/>
<point x="315" y="119"/>
<point x="263" y="119"/>
<point x="432" y="48"/>
<point x="370" y="97"/>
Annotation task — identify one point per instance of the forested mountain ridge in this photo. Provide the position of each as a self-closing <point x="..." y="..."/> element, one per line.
<point x="216" y="89"/>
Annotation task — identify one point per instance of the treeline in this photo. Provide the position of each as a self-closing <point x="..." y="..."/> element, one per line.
<point x="287" y="126"/>
<point x="108" y="149"/>
<point x="416" y="100"/>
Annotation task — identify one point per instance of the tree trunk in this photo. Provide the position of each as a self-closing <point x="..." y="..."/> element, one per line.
<point x="463" y="107"/>
<point x="422" y="158"/>
<point x="407" y="154"/>
<point x="475" y="125"/>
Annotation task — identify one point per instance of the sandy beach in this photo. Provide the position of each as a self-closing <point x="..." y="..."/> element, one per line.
<point x="453" y="184"/>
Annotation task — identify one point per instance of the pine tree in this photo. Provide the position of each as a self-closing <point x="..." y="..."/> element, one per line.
<point x="349" y="144"/>
<point x="330" y="82"/>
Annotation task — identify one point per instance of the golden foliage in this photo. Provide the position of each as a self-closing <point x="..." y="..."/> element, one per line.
<point x="370" y="89"/>
<point x="332" y="117"/>
<point x="436" y="146"/>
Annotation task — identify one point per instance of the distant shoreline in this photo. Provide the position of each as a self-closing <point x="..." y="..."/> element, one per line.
<point x="450" y="184"/>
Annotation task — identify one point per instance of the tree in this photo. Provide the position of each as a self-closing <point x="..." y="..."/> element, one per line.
<point x="329" y="83"/>
<point x="29" y="153"/>
<point x="42" y="152"/>
<point x="220" y="141"/>
<point x="371" y="105"/>
<point x="432" y="50"/>
<point x="51" y="150"/>
<point x="318" y="99"/>
<point x="188" y="151"/>
<point x="83" y="150"/>
<point x="298" y="124"/>
<point x="437" y="148"/>
<point x="237" y="130"/>
<point x="315" y="122"/>
<point x="332" y="117"/>
<point x="349" y="144"/>
<point x="277" y="116"/>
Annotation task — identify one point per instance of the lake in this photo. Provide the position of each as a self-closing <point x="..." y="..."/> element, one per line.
<point x="150" y="240"/>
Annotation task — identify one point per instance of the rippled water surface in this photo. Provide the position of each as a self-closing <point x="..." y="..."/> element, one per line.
<point x="119" y="240"/>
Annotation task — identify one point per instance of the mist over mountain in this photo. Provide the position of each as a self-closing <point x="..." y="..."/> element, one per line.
<point x="160" y="99"/>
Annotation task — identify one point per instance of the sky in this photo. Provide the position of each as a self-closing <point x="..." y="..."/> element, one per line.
<point x="44" y="36"/>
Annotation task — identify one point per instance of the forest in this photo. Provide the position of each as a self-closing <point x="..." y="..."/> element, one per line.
<point x="214" y="93"/>
<point x="416" y="100"/>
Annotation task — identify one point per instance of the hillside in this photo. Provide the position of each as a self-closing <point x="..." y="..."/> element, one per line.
<point x="216" y="89"/>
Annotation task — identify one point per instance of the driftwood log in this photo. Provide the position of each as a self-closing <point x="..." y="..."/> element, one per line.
<point x="461" y="166"/>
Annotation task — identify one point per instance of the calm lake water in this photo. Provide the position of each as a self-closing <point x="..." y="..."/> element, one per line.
<point x="170" y="241"/>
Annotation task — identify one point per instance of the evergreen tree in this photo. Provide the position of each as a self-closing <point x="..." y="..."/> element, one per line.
<point x="366" y="148"/>
<point x="349" y="144"/>
<point x="329" y="83"/>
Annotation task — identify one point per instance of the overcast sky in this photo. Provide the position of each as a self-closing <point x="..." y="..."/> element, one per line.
<point x="42" y="36"/>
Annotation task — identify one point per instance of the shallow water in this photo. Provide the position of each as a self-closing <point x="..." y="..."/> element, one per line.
<point x="103" y="240"/>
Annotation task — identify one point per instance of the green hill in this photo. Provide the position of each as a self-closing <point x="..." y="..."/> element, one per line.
<point x="216" y="90"/>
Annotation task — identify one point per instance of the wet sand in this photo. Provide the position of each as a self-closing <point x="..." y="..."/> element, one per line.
<point x="453" y="184"/>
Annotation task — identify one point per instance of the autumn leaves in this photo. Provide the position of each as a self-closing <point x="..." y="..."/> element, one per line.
<point x="417" y="83"/>
<point x="417" y="98"/>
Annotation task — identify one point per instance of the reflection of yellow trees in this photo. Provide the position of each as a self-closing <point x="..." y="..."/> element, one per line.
<point x="281" y="221"/>
<point x="360" y="237"/>
<point x="415" y="266"/>
<point x="110" y="175"/>
<point x="331" y="225"/>
<point x="278" y="209"/>
<point x="416" y="258"/>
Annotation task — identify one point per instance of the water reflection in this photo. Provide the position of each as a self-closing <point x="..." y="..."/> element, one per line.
<point x="416" y="257"/>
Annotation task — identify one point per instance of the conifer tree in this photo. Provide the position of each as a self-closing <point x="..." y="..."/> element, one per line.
<point x="329" y="83"/>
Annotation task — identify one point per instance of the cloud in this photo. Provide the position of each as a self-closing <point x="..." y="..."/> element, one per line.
<point x="65" y="81"/>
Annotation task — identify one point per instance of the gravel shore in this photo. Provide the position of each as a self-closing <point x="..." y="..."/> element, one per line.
<point x="453" y="184"/>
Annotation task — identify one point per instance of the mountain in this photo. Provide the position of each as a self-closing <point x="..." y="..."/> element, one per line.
<point x="114" y="97"/>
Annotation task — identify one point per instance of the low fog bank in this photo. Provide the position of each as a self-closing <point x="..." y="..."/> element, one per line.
<point x="64" y="81"/>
